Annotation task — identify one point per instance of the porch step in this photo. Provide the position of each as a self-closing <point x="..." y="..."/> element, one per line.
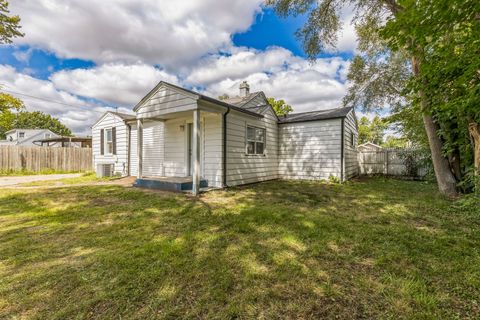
<point x="169" y="185"/>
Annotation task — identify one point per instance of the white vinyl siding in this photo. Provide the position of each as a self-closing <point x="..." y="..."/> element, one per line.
<point x="310" y="150"/>
<point x="120" y="159"/>
<point x="350" y="151"/>
<point x="153" y="148"/>
<point x="211" y="149"/>
<point x="133" y="151"/>
<point x="165" y="101"/>
<point x="243" y="168"/>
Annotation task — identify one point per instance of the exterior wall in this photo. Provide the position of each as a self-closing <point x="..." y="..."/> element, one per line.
<point x="310" y="150"/>
<point x="153" y="148"/>
<point x="243" y="168"/>
<point x="164" y="101"/>
<point x="350" y="151"/>
<point x="120" y="160"/>
<point x="133" y="151"/>
<point x="175" y="148"/>
<point x="211" y="149"/>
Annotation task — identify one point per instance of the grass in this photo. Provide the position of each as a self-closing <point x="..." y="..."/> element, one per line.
<point x="368" y="249"/>
<point x="87" y="177"/>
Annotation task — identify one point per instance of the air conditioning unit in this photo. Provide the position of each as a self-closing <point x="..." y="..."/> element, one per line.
<point x="105" y="170"/>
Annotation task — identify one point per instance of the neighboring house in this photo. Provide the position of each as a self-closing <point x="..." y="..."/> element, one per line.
<point x="369" y="146"/>
<point x="65" y="141"/>
<point x="26" y="137"/>
<point x="177" y="133"/>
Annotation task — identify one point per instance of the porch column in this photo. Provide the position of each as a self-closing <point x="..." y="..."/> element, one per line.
<point x="196" y="152"/>
<point x="139" y="148"/>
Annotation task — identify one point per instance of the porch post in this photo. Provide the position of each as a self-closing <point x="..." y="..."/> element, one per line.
<point x="196" y="152"/>
<point x="139" y="148"/>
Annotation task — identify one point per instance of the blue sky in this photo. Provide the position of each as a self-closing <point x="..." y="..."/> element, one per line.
<point x="86" y="62"/>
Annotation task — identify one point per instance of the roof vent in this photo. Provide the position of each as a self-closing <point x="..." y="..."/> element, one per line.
<point x="244" y="89"/>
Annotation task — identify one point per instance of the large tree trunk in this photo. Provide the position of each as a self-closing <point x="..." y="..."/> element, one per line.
<point x="445" y="178"/>
<point x="474" y="130"/>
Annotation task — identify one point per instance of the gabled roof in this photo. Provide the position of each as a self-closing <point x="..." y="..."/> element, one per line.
<point x="241" y="101"/>
<point x="195" y="95"/>
<point x="123" y="116"/>
<point x="370" y="144"/>
<point x="315" y="115"/>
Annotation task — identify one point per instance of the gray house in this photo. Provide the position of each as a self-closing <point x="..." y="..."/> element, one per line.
<point x="26" y="137"/>
<point x="179" y="139"/>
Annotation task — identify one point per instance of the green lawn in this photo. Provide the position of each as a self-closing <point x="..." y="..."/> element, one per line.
<point x="368" y="249"/>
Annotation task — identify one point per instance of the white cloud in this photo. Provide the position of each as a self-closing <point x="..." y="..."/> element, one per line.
<point x="168" y="32"/>
<point x="276" y="71"/>
<point x="304" y="85"/>
<point x="79" y="116"/>
<point x="117" y="84"/>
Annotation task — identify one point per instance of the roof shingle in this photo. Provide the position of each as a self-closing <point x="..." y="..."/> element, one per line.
<point x="315" y="115"/>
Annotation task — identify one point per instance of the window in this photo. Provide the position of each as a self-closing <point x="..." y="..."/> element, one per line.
<point x="108" y="141"/>
<point x="48" y="135"/>
<point x="255" y="140"/>
<point x="21" y="135"/>
<point x="352" y="139"/>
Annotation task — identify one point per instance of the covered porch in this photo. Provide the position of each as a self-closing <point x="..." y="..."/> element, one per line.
<point x="179" y="141"/>
<point x="180" y="151"/>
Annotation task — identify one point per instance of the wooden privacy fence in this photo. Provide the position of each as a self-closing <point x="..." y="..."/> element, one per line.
<point x="37" y="159"/>
<point x="391" y="162"/>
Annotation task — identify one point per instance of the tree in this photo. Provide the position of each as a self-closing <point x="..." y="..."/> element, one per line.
<point x="371" y="131"/>
<point x="9" y="29"/>
<point x="223" y="97"/>
<point x="280" y="107"/>
<point x="393" y="43"/>
<point x="8" y="106"/>
<point x="40" y="120"/>
<point x="9" y="25"/>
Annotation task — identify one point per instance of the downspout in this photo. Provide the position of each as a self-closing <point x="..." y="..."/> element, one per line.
<point x="342" y="151"/>
<point x="224" y="160"/>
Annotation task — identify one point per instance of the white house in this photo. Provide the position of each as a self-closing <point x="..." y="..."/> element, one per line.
<point x="369" y="146"/>
<point x="26" y="137"/>
<point x="179" y="139"/>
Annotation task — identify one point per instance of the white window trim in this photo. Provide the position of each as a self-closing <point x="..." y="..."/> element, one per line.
<point x="105" y="141"/>
<point x="264" y="141"/>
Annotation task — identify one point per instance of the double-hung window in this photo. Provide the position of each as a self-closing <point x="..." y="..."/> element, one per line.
<point x="255" y="141"/>
<point x="108" y="141"/>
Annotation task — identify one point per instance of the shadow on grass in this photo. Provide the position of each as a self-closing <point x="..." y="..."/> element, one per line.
<point x="285" y="249"/>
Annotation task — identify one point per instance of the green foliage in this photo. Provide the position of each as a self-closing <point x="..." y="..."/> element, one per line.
<point x="395" y="142"/>
<point x="40" y="120"/>
<point x="444" y="38"/>
<point x="223" y="97"/>
<point x="445" y="35"/>
<point x="280" y="107"/>
<point x="9" y="105"/>
<point x="371" y="131"/>
<point x="9" y="25"/>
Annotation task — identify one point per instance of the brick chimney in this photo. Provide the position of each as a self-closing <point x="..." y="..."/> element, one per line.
<point x="244" y="89"/>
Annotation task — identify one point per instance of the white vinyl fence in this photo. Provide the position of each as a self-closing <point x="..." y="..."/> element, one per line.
<point x="392" y="162"/>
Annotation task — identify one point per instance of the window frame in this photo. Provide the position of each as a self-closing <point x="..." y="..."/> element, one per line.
<point x="106" y="143"/>
<point x="21" y="135"/>
<point x="255" y="141"/>
<point x="352" y="138"/>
